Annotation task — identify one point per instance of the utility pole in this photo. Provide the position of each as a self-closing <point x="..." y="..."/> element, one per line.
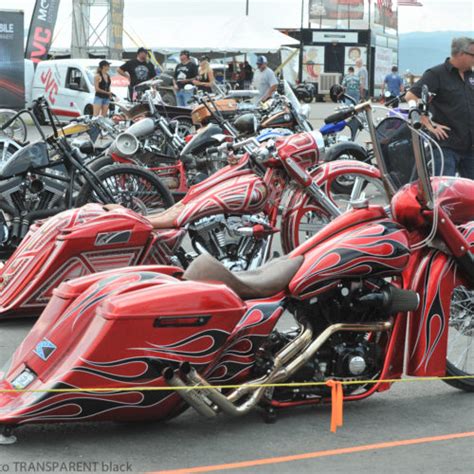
<point x="247" y="8"/>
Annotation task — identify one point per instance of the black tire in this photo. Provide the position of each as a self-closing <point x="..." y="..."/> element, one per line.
<point x="307" y="99"/>
<point x="186" y="126"/>
<point x="341" y="186"/>
<point x="99" y="163"/>
<point x="133" y="187"/>
<point x="461" y="320"/>
<point x="88" y="109"/>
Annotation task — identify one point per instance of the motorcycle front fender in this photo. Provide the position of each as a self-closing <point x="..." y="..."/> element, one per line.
<point x="301" y="202"/>
<point x="434" y="281"/>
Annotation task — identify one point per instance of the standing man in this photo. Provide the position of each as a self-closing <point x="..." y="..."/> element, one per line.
<point x="264" y="80"/>
<point x="351" y="84"/>
<point x="363" y="76"/>
<point x="452" y="107"/>
<point x="186" y="71"/>
<point x="394" y="85"/>
<point x="137" y="70"/>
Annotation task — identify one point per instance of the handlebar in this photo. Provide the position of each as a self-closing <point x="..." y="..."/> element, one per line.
<point x="414" y="115"/>
<point x="346" y="113"/>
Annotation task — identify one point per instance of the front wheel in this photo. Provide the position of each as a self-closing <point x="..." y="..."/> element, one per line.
<point x="460" y="356"/>
<point x="17" y="130"/>
<point x="344" y="183"/>
<point x="132" y="187"/>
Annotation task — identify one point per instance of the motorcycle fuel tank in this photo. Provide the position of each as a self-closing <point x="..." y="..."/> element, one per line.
<point x="376" y="249"/>
<point x="242" y="193"/>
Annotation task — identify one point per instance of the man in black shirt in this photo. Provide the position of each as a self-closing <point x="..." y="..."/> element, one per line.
<point x="452" y="107"/>
<point x="184" y="74"/>
<point x="137" y="70"/>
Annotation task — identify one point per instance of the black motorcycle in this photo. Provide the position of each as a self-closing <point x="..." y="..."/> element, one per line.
<point x="44" y="178"/>
<point x="305" y="92"/>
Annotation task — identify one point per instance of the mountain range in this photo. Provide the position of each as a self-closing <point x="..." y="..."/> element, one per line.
<point x="418" y="51"/>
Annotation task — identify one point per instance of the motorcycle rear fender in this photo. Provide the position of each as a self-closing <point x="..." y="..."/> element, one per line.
<point x="72" y="345"/>
<point x="339" y="148"/>
<point x="435" y="279"/>
<point x="300" y="201"/>
<point x="202" y="140"/>
<point x="71" y="244"/>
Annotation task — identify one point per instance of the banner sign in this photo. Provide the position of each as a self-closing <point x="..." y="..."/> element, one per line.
<point x="12" y="63"/>
<point x="116" y="26"/>
<point x="40" y="35"/>
<point x="383" y="64"/>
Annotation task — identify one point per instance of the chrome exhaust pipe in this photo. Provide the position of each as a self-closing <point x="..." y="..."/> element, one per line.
<point x="226" y="403"/>
<point x="287" y="362"/>
<point x="302" y="358"/>
<point x="193" y="397"/>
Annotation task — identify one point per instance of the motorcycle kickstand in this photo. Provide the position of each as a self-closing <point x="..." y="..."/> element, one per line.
<point x="269" y="415"/>
<point x="7" y="436"/>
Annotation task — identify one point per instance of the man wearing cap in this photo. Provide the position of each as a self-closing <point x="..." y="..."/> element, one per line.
<point x="137" y="70"/>
<point x="264" y="80"/>
<point x="185" y="72"/>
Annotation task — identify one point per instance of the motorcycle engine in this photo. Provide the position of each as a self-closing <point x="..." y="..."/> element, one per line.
<point x="27" y="194"/>
<point x="230" y="240"/>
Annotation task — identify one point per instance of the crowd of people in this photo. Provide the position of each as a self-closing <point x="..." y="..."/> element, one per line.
<point x="451" y="84"/>
<point x="186" y="72"/>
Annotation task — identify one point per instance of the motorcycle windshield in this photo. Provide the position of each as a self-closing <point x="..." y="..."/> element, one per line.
<point x="290" y="95"/>
<point x="398" y="153"/>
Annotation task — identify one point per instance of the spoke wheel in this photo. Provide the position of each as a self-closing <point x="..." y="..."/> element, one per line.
<point x="460" y="355"/>
<point x="17" y="130"/>
<point x="132" y="187"/>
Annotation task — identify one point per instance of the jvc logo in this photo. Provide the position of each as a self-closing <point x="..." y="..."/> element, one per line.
<point x="41" y="40"/>
<point x="50" y="85"/>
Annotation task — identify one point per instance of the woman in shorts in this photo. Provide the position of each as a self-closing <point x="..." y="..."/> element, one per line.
<point x="102" y="89"/>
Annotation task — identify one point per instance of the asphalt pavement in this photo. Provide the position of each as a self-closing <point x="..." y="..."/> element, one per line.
<point x="416" y="427"/>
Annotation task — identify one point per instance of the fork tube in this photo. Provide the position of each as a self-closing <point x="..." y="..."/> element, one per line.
<point x="389" y="189"/>
<point x="424" y="187"/>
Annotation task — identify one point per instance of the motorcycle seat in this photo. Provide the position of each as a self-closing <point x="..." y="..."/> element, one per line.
<point x="263" y="282"/>
<point x="166" y="219"/>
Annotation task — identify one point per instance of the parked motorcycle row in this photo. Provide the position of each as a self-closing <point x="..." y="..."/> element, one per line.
<point x="123" y="304"/>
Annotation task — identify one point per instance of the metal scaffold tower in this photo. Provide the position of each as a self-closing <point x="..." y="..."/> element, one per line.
<point x="97" y="28"/>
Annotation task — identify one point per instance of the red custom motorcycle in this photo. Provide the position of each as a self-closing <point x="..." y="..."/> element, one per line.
<point x="232" y="216"/>
<point x="351" y="288"/>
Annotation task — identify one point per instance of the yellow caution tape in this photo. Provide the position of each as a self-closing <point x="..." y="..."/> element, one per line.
<point x="226" y="387"/>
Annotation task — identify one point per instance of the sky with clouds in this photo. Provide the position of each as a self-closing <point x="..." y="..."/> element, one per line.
<point x="435" y="15"/>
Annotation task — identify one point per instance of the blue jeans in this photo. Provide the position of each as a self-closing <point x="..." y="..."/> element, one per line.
<point x="463" y="162"/>
<point x="183" y="97"/>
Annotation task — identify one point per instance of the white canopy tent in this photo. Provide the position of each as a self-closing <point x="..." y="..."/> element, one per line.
<point x="197" y="34"/>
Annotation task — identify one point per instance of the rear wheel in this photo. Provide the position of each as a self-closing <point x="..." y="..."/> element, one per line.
<point x="17" y="130"/>
<point x="132" y="187"/>
<point x="460" y="355"/>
